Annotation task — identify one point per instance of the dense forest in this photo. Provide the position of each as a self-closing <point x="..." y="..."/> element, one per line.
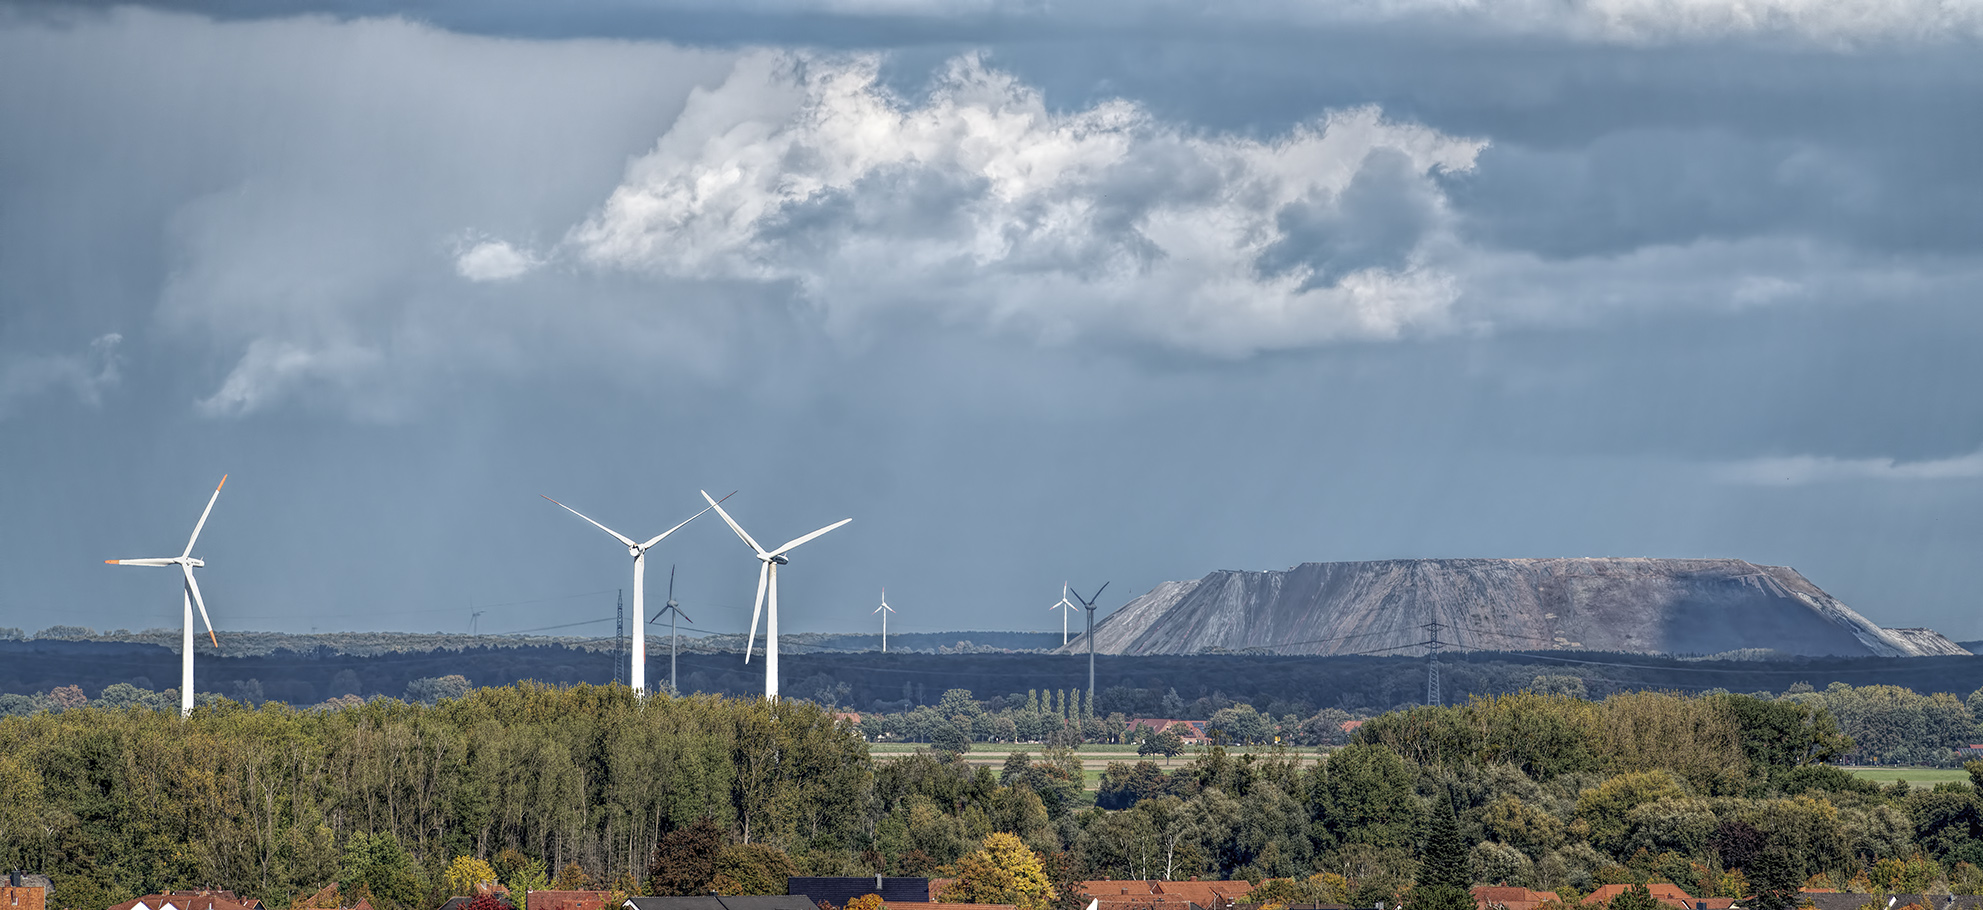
<point x="895" y="682"/>
<point x="1723" y="794"/>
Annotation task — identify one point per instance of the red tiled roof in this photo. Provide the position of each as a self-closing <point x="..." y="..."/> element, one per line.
<point x="191" y="900"/>
<point x="1511" y="898"/>
<point x="568" y="900"/>
<point x="1667" y="894"/>
<point x="1205" y="894"/>
<point x="1146" y="902"/>
<point x="1151" y="893"/>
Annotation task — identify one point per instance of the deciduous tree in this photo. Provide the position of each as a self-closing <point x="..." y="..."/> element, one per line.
<point x="1003" y="871"/>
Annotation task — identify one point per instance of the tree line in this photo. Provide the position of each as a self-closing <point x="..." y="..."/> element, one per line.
<point x="1886" y="725"/>
<point x="1722" y="794"/>
<point x="1190" y="687"/>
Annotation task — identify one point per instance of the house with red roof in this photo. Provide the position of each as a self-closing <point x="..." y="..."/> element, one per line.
<point x="1665" y="893"/>
<point x="1502" y="897"/>
<point x="1191" y="731"/>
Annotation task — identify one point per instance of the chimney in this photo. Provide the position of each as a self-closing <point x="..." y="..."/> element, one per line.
<point x="14" y="878"/>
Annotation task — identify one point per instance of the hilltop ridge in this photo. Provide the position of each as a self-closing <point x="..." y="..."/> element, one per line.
<point x="1643" y="605"/>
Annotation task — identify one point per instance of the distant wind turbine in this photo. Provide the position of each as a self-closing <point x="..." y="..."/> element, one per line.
<point x="674" y="638"/>
<point x="191" y="598"/>
<point x="884" y="610"/>
<point x="767" y="578"/>
<point x="1089" y="602"/>
<point x="638" y="678"/>
<point x="1065" y="607"/>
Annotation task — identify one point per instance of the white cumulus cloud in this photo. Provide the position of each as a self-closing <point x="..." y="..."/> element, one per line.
<point x="1798" y="470"/>
<point x="981" y="203"/>
<point x="494" y="260"/>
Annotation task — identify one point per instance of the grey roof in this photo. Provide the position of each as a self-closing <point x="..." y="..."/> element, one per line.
<point x="713" y="902"/>
<point x="839" y="889"/>
<point x="1845" y="900"/>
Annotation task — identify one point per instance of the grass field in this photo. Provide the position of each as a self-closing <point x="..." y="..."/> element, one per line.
<point x="1917" y="777"/>
<point x="1003" y="749"/>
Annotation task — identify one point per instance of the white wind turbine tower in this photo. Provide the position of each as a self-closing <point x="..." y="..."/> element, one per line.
<point x="1065" y="607"/>
<point x="191" y="598"/>
<point x="674" y="638"/>
<point x="638" y="678"/>
<point x="884" y="610"/>
<point x="767" y="578"/>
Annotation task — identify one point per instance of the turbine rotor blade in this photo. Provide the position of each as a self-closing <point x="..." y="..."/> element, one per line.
<point x="663" y="536"/>
<point x="203" y="517"/>
<point x="194" y="587"/>
<point x="794" y="543"/>
<point x="684" y="616"/>
<point x="141" y="562"/>
<point x="616" y="535"/>
<point x="763" y="574"/>
<point x="741" y="534"/>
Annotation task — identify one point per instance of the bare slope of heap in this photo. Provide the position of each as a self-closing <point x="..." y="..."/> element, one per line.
<point x="1667" y="606"/>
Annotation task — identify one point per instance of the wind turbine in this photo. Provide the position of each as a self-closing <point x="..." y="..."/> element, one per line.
<point x="767" y="577"/>
<point x="191" y="598"/>
<point x="1066" y="607"/>
<point x="1090" y="604"/>
<point x="673" y="637"/>
<point x="638" y="679"/>
<point x="884" y="610"/>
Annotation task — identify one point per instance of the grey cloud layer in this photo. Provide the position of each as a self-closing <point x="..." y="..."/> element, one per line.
<point x="87" y="376"/>
<point x="1828" y="23"/>
<point x="1065" y="294"/>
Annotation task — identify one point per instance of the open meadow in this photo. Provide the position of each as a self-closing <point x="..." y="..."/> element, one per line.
<point x="1915" y="777"/>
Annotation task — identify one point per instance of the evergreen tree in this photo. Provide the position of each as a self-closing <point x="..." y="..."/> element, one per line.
<point x="1443" y="854"/>
<point x="1442" y="867"/>
<point x="1776" y="879"/>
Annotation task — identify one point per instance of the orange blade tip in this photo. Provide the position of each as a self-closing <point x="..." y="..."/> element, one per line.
<point x="216" y="641"/>
<point x="223" y="481"/>
<point x="110" y="562"/>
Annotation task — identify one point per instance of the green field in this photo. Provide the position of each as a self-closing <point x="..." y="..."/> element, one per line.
<point x="1918" y="777"/>
<point x="1003" y="749"/>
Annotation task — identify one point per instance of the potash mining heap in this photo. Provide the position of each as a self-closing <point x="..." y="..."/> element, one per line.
<point x="1650" y="606"/>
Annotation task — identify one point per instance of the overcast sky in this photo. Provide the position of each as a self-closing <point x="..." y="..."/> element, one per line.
<point x="1106" y="291"/>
